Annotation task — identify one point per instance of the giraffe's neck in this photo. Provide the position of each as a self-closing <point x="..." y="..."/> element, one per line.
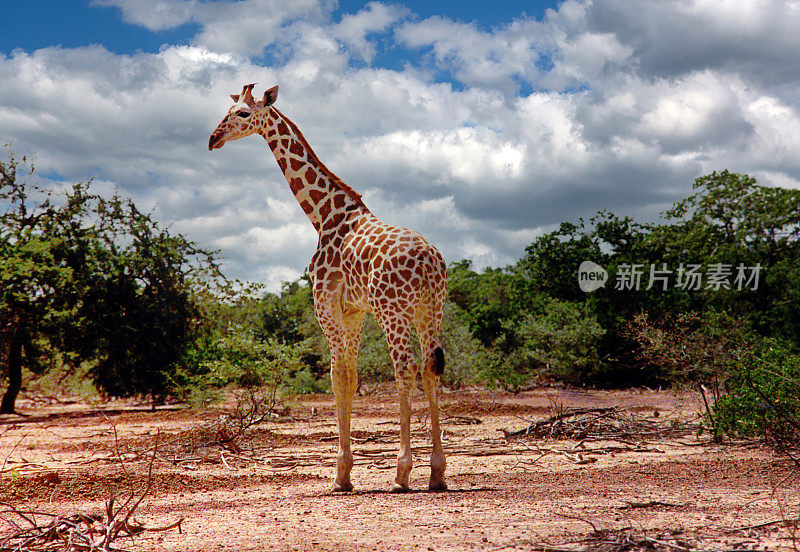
<point x="324" y="198"/>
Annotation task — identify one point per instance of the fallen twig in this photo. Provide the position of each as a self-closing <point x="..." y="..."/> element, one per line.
<point x="784" y="522"/>
<point x="590" y="424"/>
<point x="462" y="420"/>
<point x="651" y="504"/>
<point x="78" y="532"/>
<point x="629" y="540"/>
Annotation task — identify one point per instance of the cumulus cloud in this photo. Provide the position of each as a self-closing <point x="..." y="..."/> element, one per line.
<point x="485" y="139"/>
<point x="354" y="29"/>
<point x="752" y="38"/>
<point x="156" y="15"/>
<point x="243" y="26"/>
<point x="495" y="60"/>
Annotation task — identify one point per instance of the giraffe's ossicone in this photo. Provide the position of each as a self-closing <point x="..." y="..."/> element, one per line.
<point x="361" y="265"/>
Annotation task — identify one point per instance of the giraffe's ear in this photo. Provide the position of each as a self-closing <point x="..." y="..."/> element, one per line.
<point x="235" y="97"/>
<point x="247" y="94"/>
<point x="270" y="96"/>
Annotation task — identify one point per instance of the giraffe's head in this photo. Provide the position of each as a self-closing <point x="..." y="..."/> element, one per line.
<point x="244" y="117"/>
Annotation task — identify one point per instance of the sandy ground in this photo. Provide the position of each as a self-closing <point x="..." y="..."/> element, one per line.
<point x="272" y="491"/>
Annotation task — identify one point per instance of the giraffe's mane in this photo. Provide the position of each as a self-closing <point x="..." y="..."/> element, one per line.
<point x="334" y="180"/>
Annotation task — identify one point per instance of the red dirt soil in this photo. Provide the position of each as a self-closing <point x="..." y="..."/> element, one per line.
<point x="273" y="491"/>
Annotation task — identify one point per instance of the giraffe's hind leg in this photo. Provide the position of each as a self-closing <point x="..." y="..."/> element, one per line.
<point x="427" y="322"/>
<point x="398" y="337"/>
<point x="430" y="382"/>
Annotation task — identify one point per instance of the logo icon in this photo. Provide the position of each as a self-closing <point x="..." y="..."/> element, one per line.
<point x="591" y="276"/>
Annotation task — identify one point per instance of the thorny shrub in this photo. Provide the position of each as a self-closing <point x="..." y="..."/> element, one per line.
<point x="762" y="398"/>
<point x="754" y="381"/>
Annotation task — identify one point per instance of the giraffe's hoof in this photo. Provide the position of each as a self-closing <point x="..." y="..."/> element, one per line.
<point x="437" y="486"/>
<point x="342" y="487"/>
<point x="398" y="488"/>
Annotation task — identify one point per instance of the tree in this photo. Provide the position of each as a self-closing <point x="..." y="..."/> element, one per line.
<point x="486" y="300"/>
<point x="550" y="264"/>
<point x="733" y="221"/>
<point x="282" y="315"/>
<point x="92" y="279"/>
<point x="30" y="274"/>
<point x="562" y="343"/>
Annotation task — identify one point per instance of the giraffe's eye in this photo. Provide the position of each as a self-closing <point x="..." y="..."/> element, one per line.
<point x="243" y="114"/>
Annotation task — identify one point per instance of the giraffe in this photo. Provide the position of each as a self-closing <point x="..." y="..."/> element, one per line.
<point x="361" y="265"/>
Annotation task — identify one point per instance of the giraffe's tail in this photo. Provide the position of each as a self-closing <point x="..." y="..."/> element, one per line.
<point x="438" y="360"/>
<point x="436" y="279"/>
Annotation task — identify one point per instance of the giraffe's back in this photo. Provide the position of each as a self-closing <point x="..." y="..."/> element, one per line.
<point x="387" y="266"/>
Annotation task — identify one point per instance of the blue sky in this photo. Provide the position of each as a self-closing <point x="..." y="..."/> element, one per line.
<point x="480" y="125"/>
<point x="35" y="24"/>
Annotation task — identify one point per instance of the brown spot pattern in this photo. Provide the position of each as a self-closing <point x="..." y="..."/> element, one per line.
<point x="296" y="148"/>
<point x="325" y="210"/>
<point x="316" y="195"/>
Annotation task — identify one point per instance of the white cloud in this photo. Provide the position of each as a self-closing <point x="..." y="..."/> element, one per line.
<point x="465" y="155"/>
<point x="249" y="26"/>
<point x="156" y="15"/>
<point x="243" y="27"/>
<point x="354" y="29"/>
<point x="755" y="39"/>
<point x="478" y="58"/>
<point x="620" y="108"/>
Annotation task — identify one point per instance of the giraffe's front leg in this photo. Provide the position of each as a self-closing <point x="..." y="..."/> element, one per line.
<point x="343" y="332"/>
<point x="344" y="337"/>
<point x="342" y="389"/>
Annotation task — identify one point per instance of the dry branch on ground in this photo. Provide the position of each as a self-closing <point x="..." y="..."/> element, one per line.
<point x="630" y="540"/>
<point x="77" y="532"/>
<point x="601" y="423"/>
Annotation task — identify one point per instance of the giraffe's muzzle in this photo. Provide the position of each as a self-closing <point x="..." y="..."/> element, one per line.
<point x="215" y="141"/>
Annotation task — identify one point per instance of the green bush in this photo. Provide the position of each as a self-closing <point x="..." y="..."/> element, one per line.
<point x="750" y="383"/>
<point x="241" y="358"/>
<point x="562" y="343"/>
<point x="691" y="348"/>
<point x="305" y="382"/>
<point x="94" y="282"/>
<point x="466" y="359"/>
<point x="505" y="371"/>
<point x="374" y="362"/>
<point x="762" y="398"/>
